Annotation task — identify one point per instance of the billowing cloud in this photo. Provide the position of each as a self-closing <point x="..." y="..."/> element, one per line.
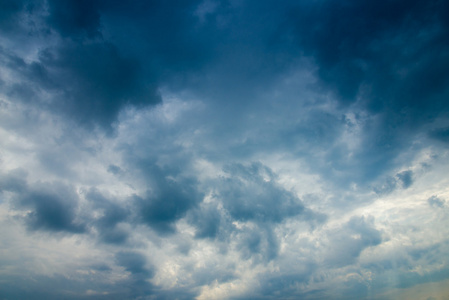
<point x="224" y="149"/>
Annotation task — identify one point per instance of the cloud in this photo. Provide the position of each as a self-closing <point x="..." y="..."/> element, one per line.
<point x="52" y="210"/>
<point x="436" y="202"/>
<point x="87" y="82"/>
<point x="404" y="179"/>
<point x="112" y="214"/>
<point x="223" y="150"/>
<point x="249" y="193"/>
<point x="348" y="48"/>
<point x="73" y="18"/>
<point x="134" y="263"/>
<point x="168" y="203"/>
<point x="14" y="181"/>
<point x="52" y="205"/>
<point x="207" y="221"/>
<point x="9" y="17"/>
<point x="96" y="81"/>
<point x="351" y="239"/>
<point x="441" y="134"/>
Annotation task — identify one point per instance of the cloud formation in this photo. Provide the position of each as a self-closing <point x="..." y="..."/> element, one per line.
<point x="209" y="149"/>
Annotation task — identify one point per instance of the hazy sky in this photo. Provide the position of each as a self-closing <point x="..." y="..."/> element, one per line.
<point x="224" y="149"/>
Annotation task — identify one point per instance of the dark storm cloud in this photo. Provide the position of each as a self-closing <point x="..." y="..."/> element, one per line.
<point x="167" y="202"/>
<point x="89" y="79"/>
<point x="88" y="82"/>
<point x="135" y="263"/>
<point x="382" y="79"/>
<point x="111" y="215"/>
<point x="371" y="45"/>
<point x="9" y="8"/>
<point x="163" y="169"/>
<point x="207" y="221"/>
<point x="368" y="48"/>
<point x="96" y="81"/>
<point x="74" y="18"/>
<point x="53" y="206"/>
<point x="250" y="193"/>
<point x="389" y="58"/>
<point x="33" y="75"/>
<point x="140" y="272"/>
<point x="12" y="13"/>
<point x="90" y="286"/>
<point x="54" y="288"/>
<point x="441" y="134"/>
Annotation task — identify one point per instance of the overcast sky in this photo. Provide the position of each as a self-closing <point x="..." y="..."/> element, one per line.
<point x="224" y="149"/>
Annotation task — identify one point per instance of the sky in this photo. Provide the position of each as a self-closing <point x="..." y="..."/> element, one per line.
<point x="239" y="149"/>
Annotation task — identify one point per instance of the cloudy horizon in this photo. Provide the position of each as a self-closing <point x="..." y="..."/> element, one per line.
<point x="235" y="149"/>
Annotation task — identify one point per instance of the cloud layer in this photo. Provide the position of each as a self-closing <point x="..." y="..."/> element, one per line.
<point x="224" y="149"/>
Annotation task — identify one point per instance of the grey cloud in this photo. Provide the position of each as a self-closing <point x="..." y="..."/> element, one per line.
<point x="53" y="207"/>
<point x="373" y="79"/>
<point x="96" y="81"/>
<point x="280" y="285"/>
<point x="388" y="186"/>
<point x="207" y="221"/>
<point x="89" y="82"/>
<point x="402" y="179"/>
<point x="435" y="201"/>
<point x="346" y="39"/>
<point x="171" y="189"/>
<point x="114" y="169"/>
<point x="412" y="278"/>
<point x="406" y="177"/>
<point x="134" y="263"/>
<point x="54" y="288"/>
<point x="9" y="13"/>
<point x="371" y="56"/>
<point x="14" y="181"/>
<point x="73" y="18"/>
<point x="250" y="193"/>
<point x="167" y="203"/>
<point x="441" y="134"/>
<point x="59" y="286"/>
<point x="111" y="215"/>
<point x="259" y="244"/>
<point x="214" y="273"/>
<point x="348" y="242"/>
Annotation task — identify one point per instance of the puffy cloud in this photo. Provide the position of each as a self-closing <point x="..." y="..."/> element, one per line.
<point x="248" y="193"/>
<point x="52" y="206"/>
